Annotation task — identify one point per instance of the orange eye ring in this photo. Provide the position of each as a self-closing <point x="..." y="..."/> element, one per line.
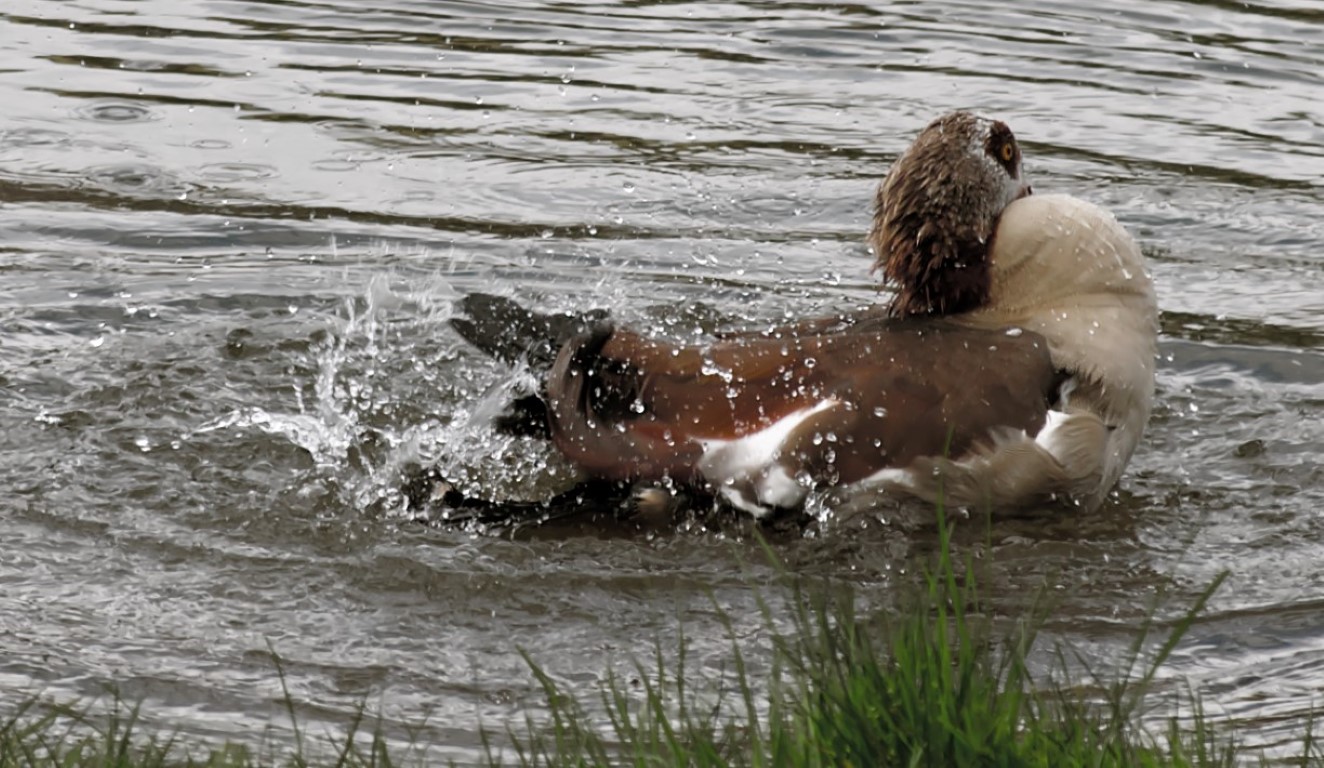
<point x="1007" y="152"/>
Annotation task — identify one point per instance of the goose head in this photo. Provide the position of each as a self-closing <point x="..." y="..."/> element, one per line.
<point x="937" y="210"/>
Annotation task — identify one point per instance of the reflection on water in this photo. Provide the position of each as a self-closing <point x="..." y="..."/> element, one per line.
<point x="231" y="233"/>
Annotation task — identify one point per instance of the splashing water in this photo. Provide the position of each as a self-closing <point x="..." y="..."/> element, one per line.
<point x="329" y="426"/>
<point x="349" y="422"/>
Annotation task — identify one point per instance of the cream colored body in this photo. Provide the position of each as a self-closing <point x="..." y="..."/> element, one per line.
<point x="1065" y="269"/>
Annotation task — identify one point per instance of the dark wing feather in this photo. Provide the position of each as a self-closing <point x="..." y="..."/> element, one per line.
<point x="500" y="327"/>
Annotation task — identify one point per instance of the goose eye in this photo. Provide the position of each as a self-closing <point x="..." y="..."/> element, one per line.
<point x="1007" y="152"/>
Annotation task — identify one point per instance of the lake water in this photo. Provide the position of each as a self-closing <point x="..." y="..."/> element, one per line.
<point x="231" y="234"/>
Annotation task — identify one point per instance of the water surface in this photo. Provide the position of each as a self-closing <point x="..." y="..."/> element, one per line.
<point x="231" y="234"/>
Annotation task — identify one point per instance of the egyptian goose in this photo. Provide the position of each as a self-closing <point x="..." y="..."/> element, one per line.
<point x="1012" y="367"/>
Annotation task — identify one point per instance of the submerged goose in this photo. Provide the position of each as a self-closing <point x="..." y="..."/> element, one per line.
<point x="1012" y="367"/>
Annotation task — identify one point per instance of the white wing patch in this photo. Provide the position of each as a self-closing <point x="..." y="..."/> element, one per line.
<point x="1055" y="438"/>
<point x="747" y="472"/>
<point x="891" y="476"/>
<point x="1063" y="458"/>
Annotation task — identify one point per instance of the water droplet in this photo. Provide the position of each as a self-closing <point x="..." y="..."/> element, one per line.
<point x="1014" y="331"/>
<point x="710" y="368"/>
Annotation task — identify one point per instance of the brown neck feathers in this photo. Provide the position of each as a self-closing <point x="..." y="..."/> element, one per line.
<point x="934" y="221"/>
<point x="934" y="273"/>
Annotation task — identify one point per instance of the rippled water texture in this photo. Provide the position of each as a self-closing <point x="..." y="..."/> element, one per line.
<point x="231" y="233"/>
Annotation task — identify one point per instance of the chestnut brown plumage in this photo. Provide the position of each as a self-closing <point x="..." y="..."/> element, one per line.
<point x="629" y="407"/>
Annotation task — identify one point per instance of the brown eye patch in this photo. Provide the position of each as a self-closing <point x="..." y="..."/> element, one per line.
<point x="1001" y="146"/>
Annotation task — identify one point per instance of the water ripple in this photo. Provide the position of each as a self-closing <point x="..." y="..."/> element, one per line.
<point x="232" y="233"/>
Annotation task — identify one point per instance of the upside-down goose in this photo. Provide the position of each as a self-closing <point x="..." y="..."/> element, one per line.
<point x="1013" y="365"/>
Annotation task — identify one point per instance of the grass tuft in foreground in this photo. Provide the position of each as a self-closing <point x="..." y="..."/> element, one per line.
<point x="44" y="736"/>
<point x="60" y="736"/>
<point x="931" y="684"/>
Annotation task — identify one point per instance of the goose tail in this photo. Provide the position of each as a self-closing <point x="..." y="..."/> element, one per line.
<point x="502" y="328"/>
